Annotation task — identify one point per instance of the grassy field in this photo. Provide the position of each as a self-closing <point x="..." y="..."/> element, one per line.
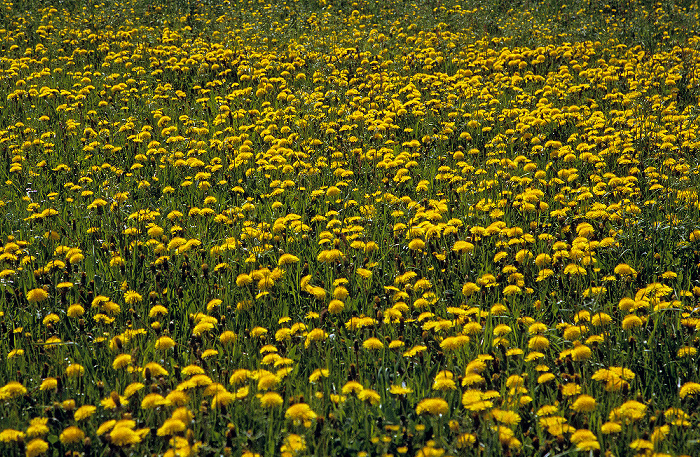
<point x="349" y="228"/>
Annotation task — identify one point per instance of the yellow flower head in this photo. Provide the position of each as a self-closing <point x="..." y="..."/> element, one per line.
<point x="433" y="406"/>
<point x="37" y="295"/>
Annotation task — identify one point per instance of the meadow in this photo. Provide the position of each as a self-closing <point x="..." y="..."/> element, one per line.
<point x="344" y="228"/>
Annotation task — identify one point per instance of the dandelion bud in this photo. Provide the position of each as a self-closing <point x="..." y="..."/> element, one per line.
<point x="115" y="398"/>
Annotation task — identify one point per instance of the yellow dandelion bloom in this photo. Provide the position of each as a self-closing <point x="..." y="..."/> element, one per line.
<point x="38" y="427"/>
<point x="364" y="273"/>
<point x="131" y="297"/>
<point x="400" y="390"/>
<point x="570" y="389"/>
<point x="470" y="288"/>
<point x="584" y="403"/>
<point x="372" y="344"/>
<point x="631" y="321"/>
<point x="293" y="445"/>
<point x="36" y="447"/>
<point x="580" y="352"/>
<point x="49" y="384"/>
<point x="336" y="307"/>
<point x="154" y="369"/>
<point x="625" y="270"/>
<point x="171" y="426"/>
<point x="10" y="435"/>
<point x="416" y="244"/>
<point x="12" y="389"/>
<point x="628" y="412"/>
<point x="121" y="361"/>
<point x="37" y="295"/>
<point x="433" y="406"/>
<point x="463" y="247"/>
<point x="316" y="334"/>
<point x="686" y="351"/>
<point x="125" y="436"/>
<point x="370" y="396"/>
<point x="71" y="435"/>
<point x="164" y="343"/>
<point x="475" y="400"/>
<point x="300" y="412"/>
<point x="153" y="400"/>
<point x="271" y="400"/>
<point x="75" y="310"/>
<point x="84" y="412"/>
<point x="352" y="387"/>
<point x="610" y="427"/>
<point x="689" y="389"/>
<point x="105" y="427"/>
<point x="574" y="270"/>
<point x="444" y="380"/>
<point x="287" y="259"/>
<point x="538" y="343"/>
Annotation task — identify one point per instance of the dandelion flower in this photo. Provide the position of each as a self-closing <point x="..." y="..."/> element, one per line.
<point x="293" y="445"/>
<point x="570" y="389"/>
<point x="444" y="380"/>
<point x="689" y="389"/>
<point x="370" y="396"/>
<point x="48" y="384"/>
<point x="416" y="244"/>
<point x="508" y="418"/>
<point x="463" y="247"/>
<point x="121" y="361"/>
<point x="38" y="427"/>
<point x="470" y="288"/>
<point x="36" y="447"/>
<point x="12" y="389"/>
<point x="286" y="259"/>
<point x="610" y="427"/>
<point x="37" y="295"/>
<point x="75" y="311"/>
<point x="72" y="435"/>
<point x="152" y="400"/>
<point x="154" y="369"/>
<point x="10" y="435"/>
<point x="628" y="412"/>
<point x="84" y="412"/>
<point x="631" y="321"/>
<point x="300" y="412"/>
<point x="336" y="307"/>
<point x="373" y="344"/>
<point x="584" y="403"/>
<point x="131" y="297"/>
<point x="316" y="334"/>
<point x="433" y="406"/>
<point x="352" y="387"/>
<point x="400" y="390"/>
<point x="171" y="427"/>
<point x="271" y="400"/>
<point x="538" y="343"/>
<point x="227" y="337"/>
<point x="124" y="436"/>
<point x="164" y="343"/>
<point x="625" y="270"/>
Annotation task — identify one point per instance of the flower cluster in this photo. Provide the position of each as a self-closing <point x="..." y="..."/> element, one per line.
<point x="326" y="228"/>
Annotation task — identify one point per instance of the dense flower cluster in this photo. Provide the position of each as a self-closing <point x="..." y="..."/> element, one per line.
<point x="314" y="228"/>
